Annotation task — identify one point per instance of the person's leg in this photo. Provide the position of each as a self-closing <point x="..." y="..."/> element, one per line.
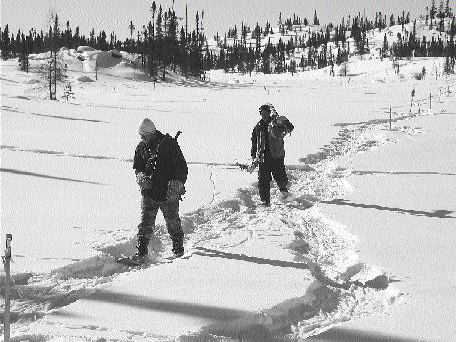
<point x="280" y="174"/>
<point x="170" y="210"/>
<point x="264" y="182"/>
<point x="149" y="209"/>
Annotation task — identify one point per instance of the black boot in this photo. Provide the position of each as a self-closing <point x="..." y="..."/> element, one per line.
<point x="178" y="247"/>
<point x="143" y="242"/>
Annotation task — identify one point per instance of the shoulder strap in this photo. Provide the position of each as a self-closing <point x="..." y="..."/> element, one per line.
<point x="152" y="160"/>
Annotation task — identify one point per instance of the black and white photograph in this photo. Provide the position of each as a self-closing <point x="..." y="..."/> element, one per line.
<point x="228" y="171"/>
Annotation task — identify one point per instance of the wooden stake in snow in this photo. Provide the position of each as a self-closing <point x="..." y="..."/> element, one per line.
<point x="390" y="118"/>
<point x="430" y="101"/>
<point x="411" y="101"/>
<point x="6" y="264"/>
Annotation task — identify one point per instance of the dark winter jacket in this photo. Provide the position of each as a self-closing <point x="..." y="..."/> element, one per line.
<point x="264" y="144"/>
<point x="170" y="164"/>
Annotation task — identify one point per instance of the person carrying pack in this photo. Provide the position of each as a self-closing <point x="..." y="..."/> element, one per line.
<point x="161" y="172"/>
<point x="268" y="152"/>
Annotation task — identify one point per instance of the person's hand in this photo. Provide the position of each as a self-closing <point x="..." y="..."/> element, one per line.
<point x="176" y="190"/>
<point x="140" y="178"/>
<point x="253" y="165"/>
<point x="143" y="181"/>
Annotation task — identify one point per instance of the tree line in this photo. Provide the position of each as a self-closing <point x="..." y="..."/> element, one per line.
<point x="161" y="45"/>
<point x="316" y="51"/>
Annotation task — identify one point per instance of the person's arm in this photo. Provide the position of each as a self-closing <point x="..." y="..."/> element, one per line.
<point x="138" y="162"/>
<point x="253" y="151"/>
<point x="139" y="165"/>
<point x="180" y="164"/>
<point x="176" y="186"/>
<point x="290" y="126"/>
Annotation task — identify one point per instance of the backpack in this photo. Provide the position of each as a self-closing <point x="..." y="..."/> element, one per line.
<point x="280" y="126"/>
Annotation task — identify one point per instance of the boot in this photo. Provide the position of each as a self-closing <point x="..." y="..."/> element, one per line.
<point x="178" y="247"/>
<point x="140" y="255"/>
<point x="283" y="194"/>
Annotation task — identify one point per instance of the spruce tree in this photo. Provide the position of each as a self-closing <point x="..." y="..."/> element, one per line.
<point x="432" y="11"/>
<point x="441" y="13"/>
<point x="131" y="27"/>
<point x="76" y="38"/>
<point x="448" y="11"/>
<point x="159" y="21"/>
<point x="53" y="65"/>
<point x="66" y="36"/>
<point x="23" y="53"/>
<point x="6" y="44"/>
<point x="92" y="40"/>
<point x="385" y="46"/>
<point x="266" y="55"/>
<point x="316" y="21"/>
<point x="448" y="67"/>
<point x="153" y="9"/>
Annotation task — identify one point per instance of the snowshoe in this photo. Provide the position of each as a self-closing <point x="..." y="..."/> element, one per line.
<point x="286" y="197"/>
<point x="266" y="204"/>
<point x="134" y="260"/>
<point x="179" y="255"/>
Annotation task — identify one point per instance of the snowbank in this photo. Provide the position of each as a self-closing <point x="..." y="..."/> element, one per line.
<point x="83" y="79"/>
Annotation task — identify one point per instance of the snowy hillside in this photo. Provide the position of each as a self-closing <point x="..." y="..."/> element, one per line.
<point x="299" y="36"/>
<point x="70" y="200"/>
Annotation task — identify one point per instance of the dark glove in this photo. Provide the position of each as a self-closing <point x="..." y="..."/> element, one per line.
<point x="253" y="165"/>
<point x="176" y="190"/>
<point x="144" y="182"/>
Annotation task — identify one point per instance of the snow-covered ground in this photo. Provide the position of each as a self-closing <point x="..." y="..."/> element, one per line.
<point x="403" y="210"/>
<point x="69" y="197"/>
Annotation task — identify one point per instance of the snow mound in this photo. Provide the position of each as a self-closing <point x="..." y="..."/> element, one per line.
<point x="32" y="81"/>
<point x="84" y="79"/>
<point x="127" y="69"/>
<point x="107" y="59"/>
<point x="82" y="49"/>
<point x="97" y="266"/>
<point x="116" y="53"/>
<point x="112" y="63"/>
<point x="39" y="56"/>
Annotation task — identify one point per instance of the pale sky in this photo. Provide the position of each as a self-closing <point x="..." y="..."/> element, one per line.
<point x="219" y="15"/>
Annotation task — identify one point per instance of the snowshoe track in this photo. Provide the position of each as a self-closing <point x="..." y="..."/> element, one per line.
<point x="323" y="246"/>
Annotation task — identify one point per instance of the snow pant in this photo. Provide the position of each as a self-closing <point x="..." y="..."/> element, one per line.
<point x="276" y="167"/>
<point x="170" y="210"/>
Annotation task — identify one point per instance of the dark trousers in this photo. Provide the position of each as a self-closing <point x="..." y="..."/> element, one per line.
<point x="276" y="167"/>
<point x="170" y="210"/>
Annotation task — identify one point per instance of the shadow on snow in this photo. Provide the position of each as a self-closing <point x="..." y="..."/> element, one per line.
<point x="26" y="173"/>
<point x="361" y="173"/>
<point x="436" y="213"/>
<point x="351" y="335"/>
<point x="242" y="257"/>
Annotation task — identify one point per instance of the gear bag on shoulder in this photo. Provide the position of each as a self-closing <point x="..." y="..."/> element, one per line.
<point x="144" y="181"/>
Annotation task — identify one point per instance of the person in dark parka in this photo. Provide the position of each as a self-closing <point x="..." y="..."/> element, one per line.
<point x="161" y="172"/>
<point x="268" y="152"/>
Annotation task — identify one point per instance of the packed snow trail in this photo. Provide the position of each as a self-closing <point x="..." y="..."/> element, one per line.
<point x="318" y="245"/>
<point x="340" y="288"/>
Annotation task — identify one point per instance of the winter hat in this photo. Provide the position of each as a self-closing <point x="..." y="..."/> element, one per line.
<point x="266" y="107"/>
<point x="147" y="126"/>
